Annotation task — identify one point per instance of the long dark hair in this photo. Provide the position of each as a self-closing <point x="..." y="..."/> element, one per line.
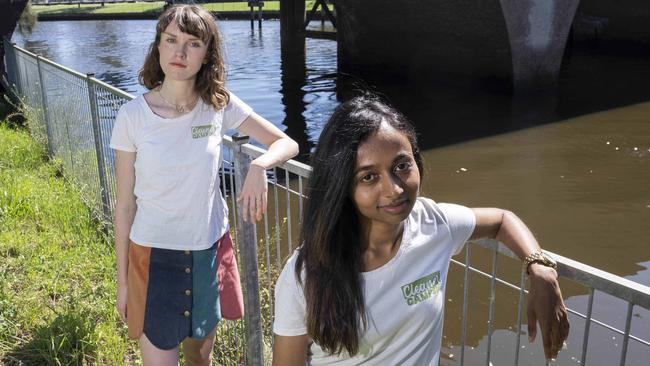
<point x="210" y="80"/>
<point x="331" y="254"/>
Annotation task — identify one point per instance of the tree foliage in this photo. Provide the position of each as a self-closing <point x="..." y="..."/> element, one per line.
<point x="27" y="19"/>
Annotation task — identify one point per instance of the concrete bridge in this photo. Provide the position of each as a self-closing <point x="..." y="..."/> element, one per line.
<point x="519" y="43"/>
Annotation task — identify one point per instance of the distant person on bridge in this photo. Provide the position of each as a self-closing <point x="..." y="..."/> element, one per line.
<point x="367" y="284"/>
<point x="171" y="221"/>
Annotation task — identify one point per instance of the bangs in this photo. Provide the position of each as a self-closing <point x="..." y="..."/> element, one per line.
<point x="192" y="23"/>
<point x="200" y="23"/>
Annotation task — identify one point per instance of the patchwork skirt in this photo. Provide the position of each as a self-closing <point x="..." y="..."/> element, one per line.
<point x="172" y="294"/>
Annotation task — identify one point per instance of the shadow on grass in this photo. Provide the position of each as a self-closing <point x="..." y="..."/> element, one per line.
<point x="4" y="108"/>
<point x="9" y="112"/>
<point x="64" y="341"/>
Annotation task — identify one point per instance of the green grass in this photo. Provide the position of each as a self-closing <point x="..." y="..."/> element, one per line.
<point x="57" y="271"/>
<point x="144" y="7"/>
<point x="56" y="268"/>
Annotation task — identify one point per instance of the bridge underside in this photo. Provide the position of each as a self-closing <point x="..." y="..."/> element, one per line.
<point x="623" y="24"/>
<point x="518" y="42"/>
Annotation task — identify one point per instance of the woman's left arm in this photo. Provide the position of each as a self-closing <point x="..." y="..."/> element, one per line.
<point x="280" y="149"/>
<point x="545" y="303"/>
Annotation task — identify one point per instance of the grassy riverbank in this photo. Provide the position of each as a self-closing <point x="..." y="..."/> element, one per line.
<point x="56" y="267"/>
<point x="146" y="7"/>
<point x="57" y="271"/>
<point x="56" y="278"/>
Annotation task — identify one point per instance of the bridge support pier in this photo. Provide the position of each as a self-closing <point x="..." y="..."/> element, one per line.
<point x="292" y="18"/>
<point x="292" y="22"/>
<point x="537" y="33"/>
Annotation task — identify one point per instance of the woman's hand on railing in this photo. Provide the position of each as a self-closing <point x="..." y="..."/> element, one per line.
<point x="546" y="306"/>
<point x="253" y="196"/>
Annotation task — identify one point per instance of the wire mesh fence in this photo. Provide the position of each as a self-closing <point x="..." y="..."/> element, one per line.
<point x="74" y="114"/>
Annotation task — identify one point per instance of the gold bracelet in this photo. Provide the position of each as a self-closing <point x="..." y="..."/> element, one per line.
<point x="541" y="258"/>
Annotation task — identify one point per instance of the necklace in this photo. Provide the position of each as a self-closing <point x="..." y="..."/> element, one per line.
<point x="180" y="108"/>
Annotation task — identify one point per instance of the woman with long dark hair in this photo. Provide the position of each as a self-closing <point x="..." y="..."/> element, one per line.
<point x="171" y="222"/>
<point x="367" y="284"/>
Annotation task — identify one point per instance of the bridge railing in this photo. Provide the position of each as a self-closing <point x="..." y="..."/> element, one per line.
<point x="74" y="114"/>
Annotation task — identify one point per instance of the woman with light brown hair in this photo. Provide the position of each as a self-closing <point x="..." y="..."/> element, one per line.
<point x="170" y="218"/>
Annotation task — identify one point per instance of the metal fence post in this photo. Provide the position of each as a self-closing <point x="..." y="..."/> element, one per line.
<point x="16" y="71"/>
<point x="44" y="108"/>
<point x="99" y="149"/>
<point x="248" y="250"/>
<point x="10" y="59"/>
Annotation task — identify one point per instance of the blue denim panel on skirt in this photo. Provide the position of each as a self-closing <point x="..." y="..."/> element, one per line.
<point x="206" y="309"/>
<point x="182" y="296"/>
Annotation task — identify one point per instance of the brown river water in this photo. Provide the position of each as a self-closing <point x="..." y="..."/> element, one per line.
<point x="582" y="185"/>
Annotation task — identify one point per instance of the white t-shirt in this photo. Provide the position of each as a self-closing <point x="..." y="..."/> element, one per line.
<point x="404" y="298"/>
<point x="179" y="205"/>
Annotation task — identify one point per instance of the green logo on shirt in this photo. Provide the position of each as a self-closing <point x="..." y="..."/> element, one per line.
<point x="422" y="289"/>
<point x="203" y="131"/>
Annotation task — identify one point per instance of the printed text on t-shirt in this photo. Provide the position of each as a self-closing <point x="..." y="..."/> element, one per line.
<point x="421" y="289"/>
<point x="203" y="131"/>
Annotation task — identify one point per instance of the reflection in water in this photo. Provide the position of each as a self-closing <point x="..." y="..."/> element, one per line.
<point x="114" y="77"/>
<point x="38" y="45"/>
<point x="579" y="178"/>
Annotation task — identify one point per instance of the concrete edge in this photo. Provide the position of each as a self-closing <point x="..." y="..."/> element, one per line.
<point x="266" y="14"/>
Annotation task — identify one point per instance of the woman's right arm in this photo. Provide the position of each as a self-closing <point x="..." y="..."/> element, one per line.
<point x="290" y="351"/>
<point x="124" y="213"/>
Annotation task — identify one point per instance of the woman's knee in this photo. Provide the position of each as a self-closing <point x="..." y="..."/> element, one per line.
<point x="152" y="355"/>
<point x="198" y="352"/>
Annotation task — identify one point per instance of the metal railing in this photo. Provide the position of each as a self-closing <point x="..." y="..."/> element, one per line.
<point x="76" y="112"/>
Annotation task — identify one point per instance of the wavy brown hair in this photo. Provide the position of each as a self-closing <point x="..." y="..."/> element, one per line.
<point x="210" y="80"/>
<point x="330" y="256"/>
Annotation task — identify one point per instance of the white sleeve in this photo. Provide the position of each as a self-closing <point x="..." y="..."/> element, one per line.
<point x="461" y="221"/>
<point x="123" y="135"/>
<point x="235" y="112"/>
<point x="290" y="317"/>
